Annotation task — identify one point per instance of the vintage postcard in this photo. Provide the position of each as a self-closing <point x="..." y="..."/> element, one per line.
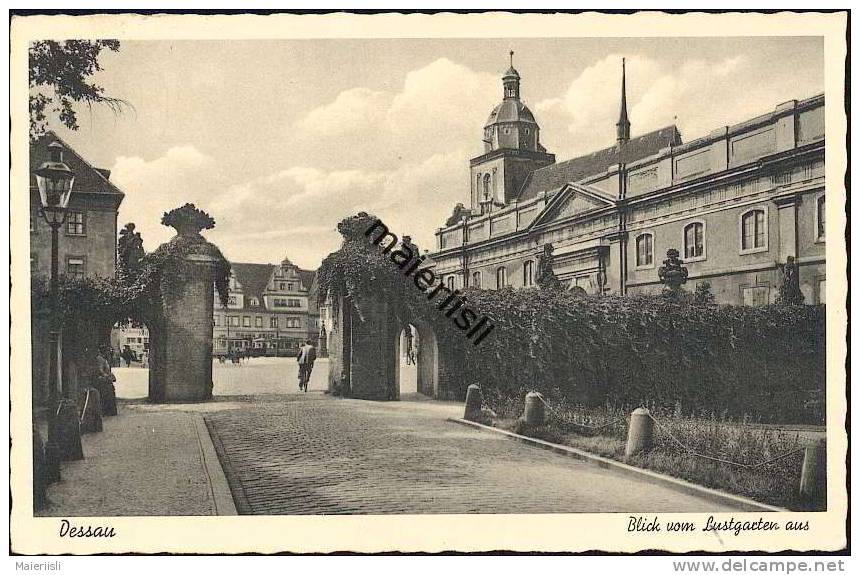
<point x="428" y="282"/>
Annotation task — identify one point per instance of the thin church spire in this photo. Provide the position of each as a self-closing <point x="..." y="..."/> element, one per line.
<point x="623" y="125"/>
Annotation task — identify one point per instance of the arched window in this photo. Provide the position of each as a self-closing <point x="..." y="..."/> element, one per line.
<point x="501" y="277"/>
<point x="754" y="230"/>
<point x="645" y="251"/>
<point x="694" y="241"/>
<point x="487" y="191"/>
<point x="528" y="273"/>
<point x="476" y="279"/>
<point x="819" y="216"/>
<point x="450" y="280"/>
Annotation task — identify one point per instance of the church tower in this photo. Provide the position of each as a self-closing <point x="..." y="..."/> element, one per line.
<point x="512" y="149"/>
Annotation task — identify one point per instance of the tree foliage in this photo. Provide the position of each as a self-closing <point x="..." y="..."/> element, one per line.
<point x="59" y="79"/>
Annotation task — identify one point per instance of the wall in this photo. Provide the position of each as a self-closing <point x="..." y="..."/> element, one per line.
<point x="98" y="245"/>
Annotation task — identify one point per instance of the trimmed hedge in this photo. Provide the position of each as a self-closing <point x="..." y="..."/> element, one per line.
<point x="765" y="362"/>
<point x="688" y="356"/>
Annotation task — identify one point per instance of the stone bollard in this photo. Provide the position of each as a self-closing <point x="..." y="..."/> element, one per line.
<point x="40" y="472"/>
<point x="813" y="474"/>
<point x="474" y="399"/>
<point x="91" y="418"/>
<point x="69" y="431"/>
<point x="640" y="435"/>
<point x="535" y="409"/>
<point x="108" y="398"/>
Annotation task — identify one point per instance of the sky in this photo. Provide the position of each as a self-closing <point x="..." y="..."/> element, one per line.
<point x="281" y="139"/>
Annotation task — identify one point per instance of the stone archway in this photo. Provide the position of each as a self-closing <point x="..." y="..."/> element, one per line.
<point x="364" y="352"/>
<point x="427" y="360"/>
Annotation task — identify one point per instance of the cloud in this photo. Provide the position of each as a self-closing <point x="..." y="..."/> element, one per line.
<point x="583" y="119"/>
<point x="183" y="174"/>
<point x="440" y="107"/>
<point x="351" y="112"/>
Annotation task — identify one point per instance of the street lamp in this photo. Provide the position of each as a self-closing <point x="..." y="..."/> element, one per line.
<point x="55" y="180"/>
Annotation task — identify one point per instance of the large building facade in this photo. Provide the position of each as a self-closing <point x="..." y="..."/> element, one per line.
<point x="735" y="203"/>
<point x="272" y="310"/>
<point x="87" y="242"/>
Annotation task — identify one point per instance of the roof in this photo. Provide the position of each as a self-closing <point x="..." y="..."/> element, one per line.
<point x="87" y="178"/>
<point x="510" y="110"/>
<point x="253" y="278"/>
<point x="554" y="176"/>
<point x="511" y="73"/>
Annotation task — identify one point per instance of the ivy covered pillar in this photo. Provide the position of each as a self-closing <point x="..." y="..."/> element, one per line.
<point x="181" y="320"/>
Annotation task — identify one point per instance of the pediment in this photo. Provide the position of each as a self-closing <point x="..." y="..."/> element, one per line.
<point x="571" y="201"/>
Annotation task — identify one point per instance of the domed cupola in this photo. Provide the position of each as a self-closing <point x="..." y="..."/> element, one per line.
<point x="511" y="124"/>
<point x="512" y="149"/>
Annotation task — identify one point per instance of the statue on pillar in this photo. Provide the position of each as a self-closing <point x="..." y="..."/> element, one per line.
<point x="672" y="274"/>
<point x="129" y="251"/>
<point x="789" y="290"/>
<point x="546" y="278"/>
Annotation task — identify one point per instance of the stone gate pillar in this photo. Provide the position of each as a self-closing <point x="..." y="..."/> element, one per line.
<point x="181" y="355"/>
<point x="187" y="338"/>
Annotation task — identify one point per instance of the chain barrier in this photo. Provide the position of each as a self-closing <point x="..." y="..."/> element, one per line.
<point x="749" y="466"/>
<point x="665" y="429"/>
<point x="577" y="424"/>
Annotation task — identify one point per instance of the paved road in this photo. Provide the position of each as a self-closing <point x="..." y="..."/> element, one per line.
<point x="257" y="376"/>
<point x="313" y="454"/>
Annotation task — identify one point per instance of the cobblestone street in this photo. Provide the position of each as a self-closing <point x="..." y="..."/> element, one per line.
<point x="285" y="452"/>
<point x="319" y="455"/>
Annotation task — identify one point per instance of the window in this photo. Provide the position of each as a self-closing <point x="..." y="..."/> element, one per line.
<point x="819" y="217"/>
<point x="246" y="321"/>
<point x="476" y="279"/>
<point x="293" y="322"/>
<point x="501" y="277"/>
<point x="645" y="251"/>
<point x="755" y="295"/>
<point x="450" y="282"/>
<point x="255" y="301"/>
<point x="754" y="231"/>
<point x="216" y="320"/>
<point x="487" y="185"/>
<point x="289" y="286"/>
<point x="528" y="273"/>
<point x="76" y="266"/>
<point x="694" y="241"/>
<point x="258" y="321"/>
<point x="234" y="320"/>
<point x="273" y="322"/>
<point x="75" y="224"/>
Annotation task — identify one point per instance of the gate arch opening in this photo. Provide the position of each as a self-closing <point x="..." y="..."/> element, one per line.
<point x="416" y="362"/>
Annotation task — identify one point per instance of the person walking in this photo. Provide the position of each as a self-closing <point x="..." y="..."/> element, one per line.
<point x="306" y="358"/>
<point x="127" y="355"/>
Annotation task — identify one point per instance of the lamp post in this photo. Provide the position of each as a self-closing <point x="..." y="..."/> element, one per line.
<point x="55" y="180"/>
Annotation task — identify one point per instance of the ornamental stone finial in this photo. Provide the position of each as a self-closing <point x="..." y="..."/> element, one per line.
<point x="546" y="278"/>
<point x="672" y="274"/>
<point x="188" y="220"/>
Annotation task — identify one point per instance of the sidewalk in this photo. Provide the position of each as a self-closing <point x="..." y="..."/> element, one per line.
<point x="147" y="461"/>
